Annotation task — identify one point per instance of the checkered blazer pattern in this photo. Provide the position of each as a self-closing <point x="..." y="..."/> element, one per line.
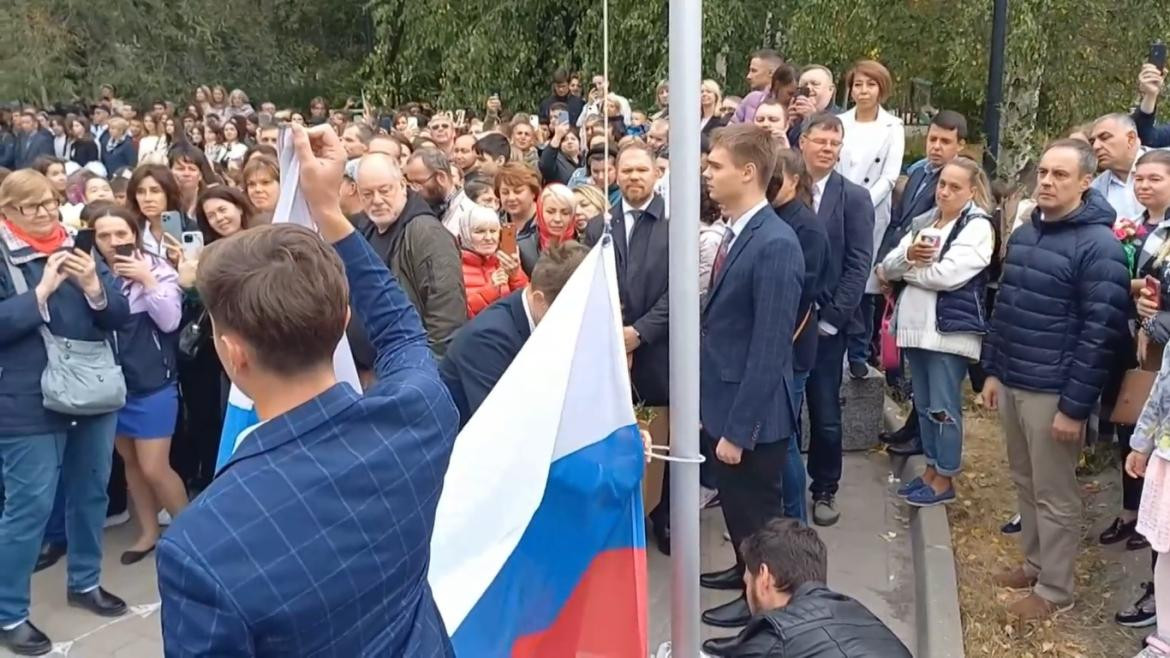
<point x="314" y="539"/>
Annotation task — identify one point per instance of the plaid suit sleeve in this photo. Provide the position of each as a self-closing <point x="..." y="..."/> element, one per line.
<point x="199" y="618"/>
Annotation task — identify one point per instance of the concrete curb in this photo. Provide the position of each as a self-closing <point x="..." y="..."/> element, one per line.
<point x="936" y="584"/>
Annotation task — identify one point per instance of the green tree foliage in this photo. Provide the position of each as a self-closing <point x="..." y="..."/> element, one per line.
<point x="1067" y="60"/>
<point x="64" y="49"/>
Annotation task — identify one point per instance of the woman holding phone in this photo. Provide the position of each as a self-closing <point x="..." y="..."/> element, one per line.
<point x="73" y="296"/>
<point x="153" y="195"/>
<point x="489" y="273"/>
<point x="554" y="224"/>
<point x="1151" y="186"/>
<point x="939" y="322"/>
<point x="147" y="347"/>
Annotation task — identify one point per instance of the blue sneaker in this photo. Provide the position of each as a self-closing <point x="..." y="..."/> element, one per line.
<point x="909" y="487"/>
<point x="926" y="497"/>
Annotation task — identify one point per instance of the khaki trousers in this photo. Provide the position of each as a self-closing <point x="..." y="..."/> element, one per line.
<point x="1044" y="471"/>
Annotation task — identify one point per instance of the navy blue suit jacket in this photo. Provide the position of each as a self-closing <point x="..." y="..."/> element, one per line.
<point x="814" y="246"/>
<point x="123" y="154"/>
<point x="31" y="147"/>
<point x="315" y="537"/>
<point x="909" y="207"/>
<point x="643" y="268"/>
<point x="1153" y="135"/>
<point x="746" y="327"/>
<point x="481" y="350"/>
<point x="847" y="215"/>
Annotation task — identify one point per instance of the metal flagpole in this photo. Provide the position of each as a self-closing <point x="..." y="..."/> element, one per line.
<point x="686" y="44"/>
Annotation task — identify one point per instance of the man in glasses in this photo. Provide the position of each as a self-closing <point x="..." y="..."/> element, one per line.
<point x="442" y="129"/>
<point x="404" y="231"/>
<point x="428" y="172"/>
<point x="847" y="214"/>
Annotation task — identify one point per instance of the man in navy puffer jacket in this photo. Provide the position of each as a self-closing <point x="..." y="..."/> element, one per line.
<point x="1060" y="313"/>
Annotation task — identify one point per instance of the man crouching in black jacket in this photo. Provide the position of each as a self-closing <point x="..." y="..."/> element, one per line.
<point x="794" y="614"/>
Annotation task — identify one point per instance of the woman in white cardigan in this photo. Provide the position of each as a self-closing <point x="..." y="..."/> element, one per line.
<point x="940" y="342"/>
<point x="871" y="156"/>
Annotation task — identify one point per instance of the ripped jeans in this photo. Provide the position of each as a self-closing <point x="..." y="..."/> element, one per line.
<point x="937" y="378"/>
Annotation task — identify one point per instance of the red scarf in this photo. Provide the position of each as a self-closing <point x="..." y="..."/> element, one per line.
<point x="546" y="234"/>
<point x="46" y="245"/>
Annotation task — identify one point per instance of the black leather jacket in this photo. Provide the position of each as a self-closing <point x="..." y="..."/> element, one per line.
<point x="818" y="623"/>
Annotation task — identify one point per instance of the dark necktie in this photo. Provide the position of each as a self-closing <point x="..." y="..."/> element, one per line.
<point x="721" y="255"/>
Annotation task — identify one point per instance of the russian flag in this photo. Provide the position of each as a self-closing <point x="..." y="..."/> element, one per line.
<point x="290" y="209"/>
<point x="539" y="548"/>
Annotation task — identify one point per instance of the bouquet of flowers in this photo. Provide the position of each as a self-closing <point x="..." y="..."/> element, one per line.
<point x="1131" y="234"/>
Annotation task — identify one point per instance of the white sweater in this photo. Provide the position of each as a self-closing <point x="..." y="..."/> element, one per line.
<point x="915" y="323"/>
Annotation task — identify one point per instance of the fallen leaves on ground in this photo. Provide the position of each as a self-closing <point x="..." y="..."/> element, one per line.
<point x="989" y="500"/>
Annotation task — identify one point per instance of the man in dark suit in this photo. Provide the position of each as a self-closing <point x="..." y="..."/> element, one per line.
<point x="847" y="214"/>
<point x="314" y="538"/>
<point x="483" y="348"/>
<point x="642" y="253"/>
<point x="745" y="353"/>
<point x="31" y="141"/>
<point x="945" y="139"/>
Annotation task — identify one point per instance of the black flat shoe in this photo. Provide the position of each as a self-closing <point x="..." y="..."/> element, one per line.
<point x="733" y="614"/>
<point x="720" y="646"/>
<point x="50" y="554"/>
<point x="1012" y="526"/>
<point x="1117" y="531"/>
<point x="1136" y="542"/>
<point x="729" y="579"/>
<point x="907" y="448"/>
<point x="131" y="557"/>
<point x="25" y="640"/>
<point x="99" y="602"/>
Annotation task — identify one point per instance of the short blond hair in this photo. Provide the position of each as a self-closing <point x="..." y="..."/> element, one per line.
<point x="24" y="186"/>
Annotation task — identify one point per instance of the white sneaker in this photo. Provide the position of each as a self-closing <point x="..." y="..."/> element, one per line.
<point x="116" y="520"/>
<point x="164" y="517"/>
<point x="664" y="652"/>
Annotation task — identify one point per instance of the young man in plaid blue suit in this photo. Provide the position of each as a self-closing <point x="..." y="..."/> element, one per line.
<point x="314" y="539"/>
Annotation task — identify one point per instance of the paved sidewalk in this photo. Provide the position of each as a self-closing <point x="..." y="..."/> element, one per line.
<point x="80" y="634"/>
<point x="869" y="553"/>
<point x="869" y="559"/>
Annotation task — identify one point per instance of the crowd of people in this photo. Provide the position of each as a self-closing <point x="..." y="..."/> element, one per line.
<point x="140" y="281"/>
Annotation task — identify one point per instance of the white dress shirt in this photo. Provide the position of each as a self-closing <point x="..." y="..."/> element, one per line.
<point x="527" y="311"/>
<point x="741" y="222"/>
<point x="819" y="192"/>
<point x="628" y="214"/>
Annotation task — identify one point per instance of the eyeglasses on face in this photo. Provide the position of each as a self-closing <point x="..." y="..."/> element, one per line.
<point x="49" y="206"/>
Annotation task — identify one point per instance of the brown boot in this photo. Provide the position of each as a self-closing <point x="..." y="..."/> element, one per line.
<point x="1034" y="608"/>
<point x="1014" y="579"/>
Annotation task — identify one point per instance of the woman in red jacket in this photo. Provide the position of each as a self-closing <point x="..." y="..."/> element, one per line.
<point x="488" y="273"/>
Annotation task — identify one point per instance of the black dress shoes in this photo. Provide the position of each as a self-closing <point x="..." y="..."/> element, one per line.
<point x="1119" y="530"/>
<point x="907" y="448"/>
<point x="729" y="615"/>
<point x="25" y="640"/>
<point x="727" y="579"/>
<point x="131" y="557"/>
<point x="49" y="555"/>
<point x="99" y="602"/>
<point x="720" y="646"/>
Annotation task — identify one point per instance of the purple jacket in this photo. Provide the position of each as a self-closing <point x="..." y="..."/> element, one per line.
<point x="164" y="304"/>
<point x="746" y="112"/>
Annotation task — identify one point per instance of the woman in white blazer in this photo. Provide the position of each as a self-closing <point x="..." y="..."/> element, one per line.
<point x="871" y="157"/>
